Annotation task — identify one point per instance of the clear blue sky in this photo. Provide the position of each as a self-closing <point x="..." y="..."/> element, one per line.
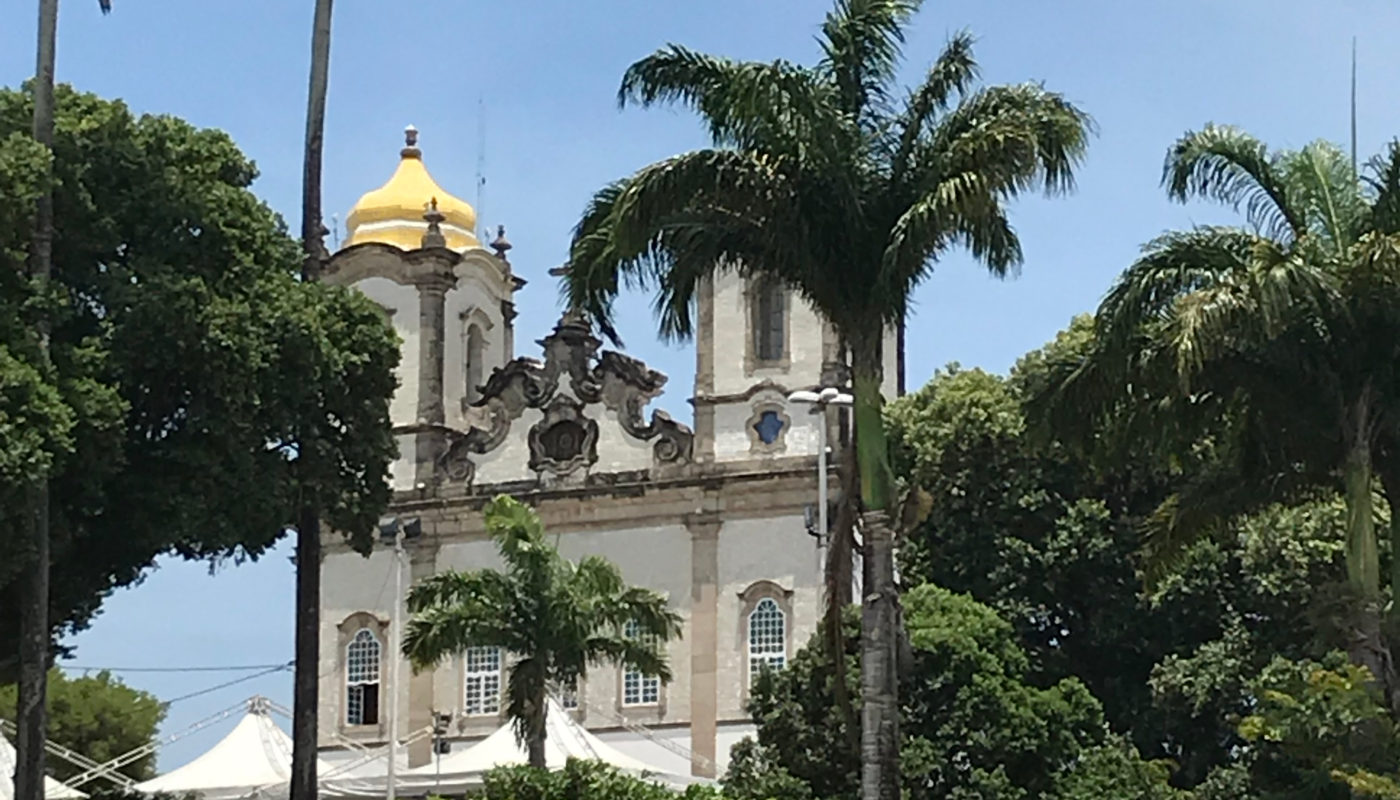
<point x="547" y="71"/>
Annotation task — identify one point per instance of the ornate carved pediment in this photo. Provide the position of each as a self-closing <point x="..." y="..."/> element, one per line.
<point x="565" y="440"/>
<point x="622" y="384"/>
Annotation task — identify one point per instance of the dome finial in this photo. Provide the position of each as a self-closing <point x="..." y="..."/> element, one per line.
<point x="410" y="142"/>
<point x="501" y="245"/>
<point x="433" y="237"/>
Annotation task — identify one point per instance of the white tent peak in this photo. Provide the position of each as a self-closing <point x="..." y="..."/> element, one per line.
<point x="254" y="754"/>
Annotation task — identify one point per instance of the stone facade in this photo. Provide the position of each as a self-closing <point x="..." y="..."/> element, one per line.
<point x="711" y="516"/>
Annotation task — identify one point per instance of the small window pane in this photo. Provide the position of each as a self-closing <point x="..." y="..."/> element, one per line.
<point x="768" y="322"/>
<point x="362" y="679"/>
<point x="482" y="694"/>
<point x="767" y="638"/>
<point x="768" y="427"/>
<point x="639" y="689"/>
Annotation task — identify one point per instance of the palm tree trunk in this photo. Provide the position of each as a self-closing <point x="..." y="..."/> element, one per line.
<point x="305" y="701"/>
<point x="1366" y="641"/>
<point x="32" y="721"/>
<point x="538" y="732"/>
<point x="878" y="622"/>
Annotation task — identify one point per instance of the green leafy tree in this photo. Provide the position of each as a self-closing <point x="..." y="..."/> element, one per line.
<point x="1267" y="346"/>
<point x="974" y="724"/>
<point x="556" y="617"/>
<point x="847" y="189"/>
<point x="189" y="360"/>
<point x="1322" y="731"/>
<point x="579" y="780"/>
<point x="97" y="716"/>
<point x="1049" y="539"/>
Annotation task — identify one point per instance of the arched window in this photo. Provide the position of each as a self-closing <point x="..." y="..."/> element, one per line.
<point x="639" y="689"/>
<point x="483" y="681"/>
<point x="476" y="357"/>
<point x="767" y="638"/>
<point x="769" y="324"/>
<point x="362" y="679"/>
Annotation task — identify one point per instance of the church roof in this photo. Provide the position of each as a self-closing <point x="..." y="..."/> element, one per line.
<point x="393" y="213"/>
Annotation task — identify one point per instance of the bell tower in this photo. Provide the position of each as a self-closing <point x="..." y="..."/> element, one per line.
<point x="756" y="343"/>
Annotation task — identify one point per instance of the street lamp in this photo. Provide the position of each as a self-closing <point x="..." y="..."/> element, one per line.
<point x="820" y="401"/>
<point x="393" y="530"/>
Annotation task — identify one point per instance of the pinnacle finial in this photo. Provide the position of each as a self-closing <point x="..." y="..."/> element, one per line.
<point x="433" y="237"/>
<point x="410" y="142"/>
<point x="501" y="245"/>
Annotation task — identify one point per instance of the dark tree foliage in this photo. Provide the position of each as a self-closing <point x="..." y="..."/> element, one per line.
<point x="187" y="359"/>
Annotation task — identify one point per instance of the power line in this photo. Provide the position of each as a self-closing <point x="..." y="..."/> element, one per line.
<point x="245" y="668"/>
<point x="226" y="684"/>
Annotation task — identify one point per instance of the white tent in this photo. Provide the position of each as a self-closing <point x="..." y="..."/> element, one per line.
<point x="564" y="739"/>
<point x="255" y="754"/>
<point x="53" y="790"/>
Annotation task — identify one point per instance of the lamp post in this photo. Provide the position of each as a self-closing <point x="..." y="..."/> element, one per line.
<point x="820" y="401"/>
<point x="396" y="531"/>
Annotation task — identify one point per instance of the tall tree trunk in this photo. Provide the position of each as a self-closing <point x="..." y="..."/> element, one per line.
<point x="1366" y="641"/>
<point x="32" y="721"/>
<point x="537" y="729"/>
<point x="878" y="622"/>
<point x="308" y="602"/>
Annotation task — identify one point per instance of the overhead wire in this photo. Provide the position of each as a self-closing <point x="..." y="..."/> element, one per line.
<point x="238" y="668"/>
<point x="226" y="684"/>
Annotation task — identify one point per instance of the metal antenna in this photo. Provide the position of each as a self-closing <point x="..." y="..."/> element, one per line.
<point x="481" y="166"/>
<point x="335" y="231"/>
<point x="1353" y="108"/>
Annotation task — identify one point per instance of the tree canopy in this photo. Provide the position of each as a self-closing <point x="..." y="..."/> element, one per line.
<point x="99" y="717"/>
<point x="187" y="360"/>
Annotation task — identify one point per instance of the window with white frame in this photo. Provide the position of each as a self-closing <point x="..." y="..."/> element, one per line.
<point x="767" y="638"/>
<point x="483" y="682"/>
<point x="362" y="679"/>
<point x="639" y="689"/>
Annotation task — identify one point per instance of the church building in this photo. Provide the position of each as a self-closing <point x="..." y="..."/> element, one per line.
<point x="710" y="512"/>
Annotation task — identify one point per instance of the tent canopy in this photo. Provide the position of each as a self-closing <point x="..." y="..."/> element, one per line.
<point x="53" y="790"/>
<point x="256" y="753"/>
<point x="564" y="739"/>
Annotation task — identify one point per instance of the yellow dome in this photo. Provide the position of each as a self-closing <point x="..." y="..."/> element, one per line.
<point x="393" y="213"/>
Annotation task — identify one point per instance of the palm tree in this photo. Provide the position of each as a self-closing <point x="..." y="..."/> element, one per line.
<point x="305" y="702"/>
<point x="35" y="635"/>
<point x="836" y="182"/>
<point x="556" y="618"/>
<point x="1269" y="347"/>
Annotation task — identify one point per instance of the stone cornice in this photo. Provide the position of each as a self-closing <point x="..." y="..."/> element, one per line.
<point x="756" y="489"/>
<point x="744" y="396"/>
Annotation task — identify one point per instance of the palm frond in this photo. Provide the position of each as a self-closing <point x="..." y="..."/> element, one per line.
<point x="1018" y="137"/>
<point x="742" y="102"/>
<point x="105" y="5"/>
<point x="672" y="224"/>
<point x="863" y="41"/>
<point x="952" y="74"/>
<point x="1322" y="188"/>
<point x="526" y="688"/>
<point x="1384" y="182"/>
<point x="454" y="610"/>
<point x="962" y="209"/>
<point x="1227" y="165"/>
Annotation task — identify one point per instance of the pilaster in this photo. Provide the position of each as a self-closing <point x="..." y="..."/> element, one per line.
<point x="422" y="563"/>
<point x="705" y="373"/>
<point x="432" y="333"/>
<point x="704" y="640"/>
